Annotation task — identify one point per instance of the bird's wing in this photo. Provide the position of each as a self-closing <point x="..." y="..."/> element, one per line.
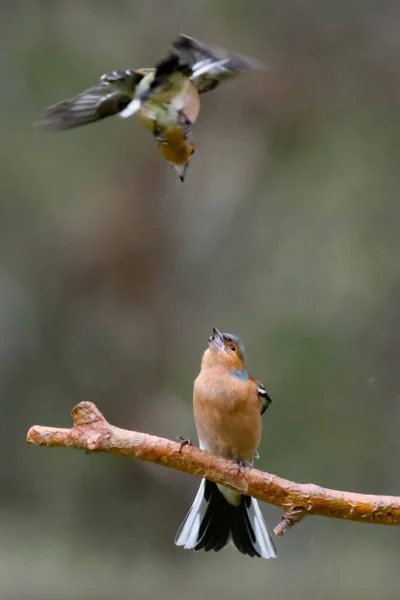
<point x="264" y="397"/>
<point x="210" y="65"/>
<point x="114" y="92"/>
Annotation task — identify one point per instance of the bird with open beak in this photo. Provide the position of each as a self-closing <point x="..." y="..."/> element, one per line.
<point x="164" y="98"/>
<point x="228" y="405"/>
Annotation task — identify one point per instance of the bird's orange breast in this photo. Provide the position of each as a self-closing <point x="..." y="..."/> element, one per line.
<point x="227" y="415"/>
<point x="176" y="148"/>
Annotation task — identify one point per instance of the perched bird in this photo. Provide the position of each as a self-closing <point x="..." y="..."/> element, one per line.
<point x="165" y="98"/>
<point x="228" y="404"/>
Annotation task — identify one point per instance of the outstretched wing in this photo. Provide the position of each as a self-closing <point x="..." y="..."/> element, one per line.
<point x="210" y="65"/>
<point x="109" y="97"/>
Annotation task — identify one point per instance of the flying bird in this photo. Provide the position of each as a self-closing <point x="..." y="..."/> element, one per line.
<point x="228" y="406"/>
<point x="166" y="98"/>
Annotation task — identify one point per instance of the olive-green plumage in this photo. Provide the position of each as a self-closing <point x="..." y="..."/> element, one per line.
<point x="165" y="98"/>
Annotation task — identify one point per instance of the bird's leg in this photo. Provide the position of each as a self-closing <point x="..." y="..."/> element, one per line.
<point x="186" y="125"/>
<point x="158" y="135"/>
<point x="183" y="442"/>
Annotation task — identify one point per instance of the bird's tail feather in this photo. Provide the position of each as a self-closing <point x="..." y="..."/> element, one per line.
<point x="212" y="522"/>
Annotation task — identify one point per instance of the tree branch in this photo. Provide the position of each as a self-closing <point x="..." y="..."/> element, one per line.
<point x="92" y="433"/>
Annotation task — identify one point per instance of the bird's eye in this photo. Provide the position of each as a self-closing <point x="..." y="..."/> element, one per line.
<point x="233" y="348"/>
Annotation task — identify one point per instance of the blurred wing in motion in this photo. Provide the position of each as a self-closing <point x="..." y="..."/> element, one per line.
<point x="210" y="65"/>
<point x="109" y="97"/>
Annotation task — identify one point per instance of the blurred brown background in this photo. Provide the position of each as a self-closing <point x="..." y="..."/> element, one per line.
<point x="112" y="273"/>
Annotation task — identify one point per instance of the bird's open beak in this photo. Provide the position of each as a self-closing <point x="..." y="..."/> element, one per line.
<point x="216" y="340"/>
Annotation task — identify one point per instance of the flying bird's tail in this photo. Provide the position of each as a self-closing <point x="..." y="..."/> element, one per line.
<point x="170" y="76"/>
<point x="213" y="522"/>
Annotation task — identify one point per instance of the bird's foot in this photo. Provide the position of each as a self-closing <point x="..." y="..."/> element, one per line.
<point x="183" y="442"/>
<point x="240" y="464"/>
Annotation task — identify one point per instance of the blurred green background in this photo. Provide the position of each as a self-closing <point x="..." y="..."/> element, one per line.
<point x="285" y="232"/>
